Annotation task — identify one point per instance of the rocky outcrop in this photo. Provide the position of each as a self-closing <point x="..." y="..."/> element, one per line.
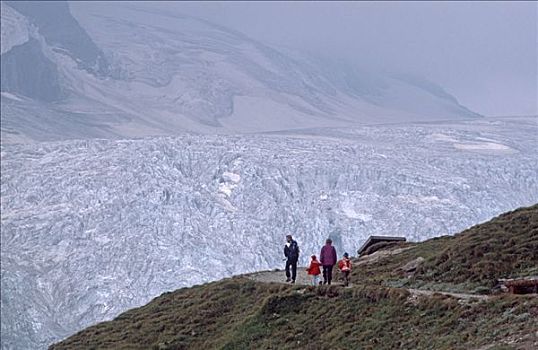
<point x="62" y="32"/>
<point x="412" y="266"/>
<point x="27" y="71"/>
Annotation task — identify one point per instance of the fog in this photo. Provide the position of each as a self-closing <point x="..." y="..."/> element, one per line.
<point x="485" y="53"/>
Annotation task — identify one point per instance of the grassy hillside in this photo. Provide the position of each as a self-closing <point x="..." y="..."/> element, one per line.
<point x="504" y="247"/>
<point x="243" y="314"/>
<point x="240" y="313"/>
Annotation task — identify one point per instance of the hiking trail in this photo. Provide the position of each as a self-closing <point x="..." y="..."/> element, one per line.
<point x="279" y="276"/>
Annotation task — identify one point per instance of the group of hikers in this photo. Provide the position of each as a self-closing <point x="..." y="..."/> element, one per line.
<point x="327" y="260"/>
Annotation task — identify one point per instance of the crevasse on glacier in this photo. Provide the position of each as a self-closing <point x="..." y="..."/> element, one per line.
<point x="91" y="228"/>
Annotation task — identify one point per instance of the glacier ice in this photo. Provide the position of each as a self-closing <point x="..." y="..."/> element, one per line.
<point x="91" y="228"/>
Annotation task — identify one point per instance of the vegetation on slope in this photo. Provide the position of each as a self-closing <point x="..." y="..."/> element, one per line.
<point x="240" y="313"/>
<point x="504" y="247"/>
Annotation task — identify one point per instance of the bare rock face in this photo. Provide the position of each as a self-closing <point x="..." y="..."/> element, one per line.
<point x="27" y="71"/>
<point x="62" y="32"/>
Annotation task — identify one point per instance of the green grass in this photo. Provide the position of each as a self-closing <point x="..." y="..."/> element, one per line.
<point x="239" y="313"/>
<point x="504" y="247"/>
<point x="243" y="314"/>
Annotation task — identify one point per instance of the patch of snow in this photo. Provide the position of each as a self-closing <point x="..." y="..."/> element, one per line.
<point x="226" y="188"/>
<point x="423" y="199"/>
<point x="11" y="96"/>
<point x="229" y="182"/>
<point x="352" y="214"/>
<point x="482" y="146"/>
<point x="227" y="176"/>
<point x="443" y="137"/>
<point x="486" y="139"/>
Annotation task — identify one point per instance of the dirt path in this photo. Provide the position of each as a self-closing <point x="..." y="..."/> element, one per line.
<point x="280" y="277"/>
<point x="419" y="292"/>
<point x="304" y="279"/>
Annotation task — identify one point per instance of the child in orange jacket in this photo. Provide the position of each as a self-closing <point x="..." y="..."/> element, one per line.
<point x="314" y="270"/>
<point x="345" y="266"/>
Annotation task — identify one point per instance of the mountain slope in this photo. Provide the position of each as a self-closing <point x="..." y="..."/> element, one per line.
<point x="504" y="247"/>
<point x="169" y="73"/>
<point x="238" y="313"/>
<point x="242" y="314"/>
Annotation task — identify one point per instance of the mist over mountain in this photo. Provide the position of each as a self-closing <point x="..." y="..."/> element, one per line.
<point x="114" y="70"/>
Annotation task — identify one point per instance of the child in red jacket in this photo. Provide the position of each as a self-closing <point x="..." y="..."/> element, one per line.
<point x="345" y="266"/>
<point x="313" y="270"/>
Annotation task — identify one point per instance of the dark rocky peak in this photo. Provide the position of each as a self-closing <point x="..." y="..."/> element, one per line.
<point x="62" y="31"/>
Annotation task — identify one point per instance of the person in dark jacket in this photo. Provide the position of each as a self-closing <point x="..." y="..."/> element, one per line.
<point x="291" y="252"/>
<point x="328" y="260"/>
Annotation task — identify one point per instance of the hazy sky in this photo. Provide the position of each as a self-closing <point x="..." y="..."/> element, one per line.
<point x="485" y="53"/>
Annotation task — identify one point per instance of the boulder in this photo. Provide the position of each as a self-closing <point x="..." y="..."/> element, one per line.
<point x="413" y="265"/>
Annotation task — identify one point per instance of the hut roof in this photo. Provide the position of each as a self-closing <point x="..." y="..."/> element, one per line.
<point x="376" y="239"/>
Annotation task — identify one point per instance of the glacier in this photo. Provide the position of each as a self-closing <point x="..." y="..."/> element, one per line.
<point x="91" y="228"/>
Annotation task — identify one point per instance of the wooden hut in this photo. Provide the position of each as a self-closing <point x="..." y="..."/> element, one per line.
<point x="374" y="243"/>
